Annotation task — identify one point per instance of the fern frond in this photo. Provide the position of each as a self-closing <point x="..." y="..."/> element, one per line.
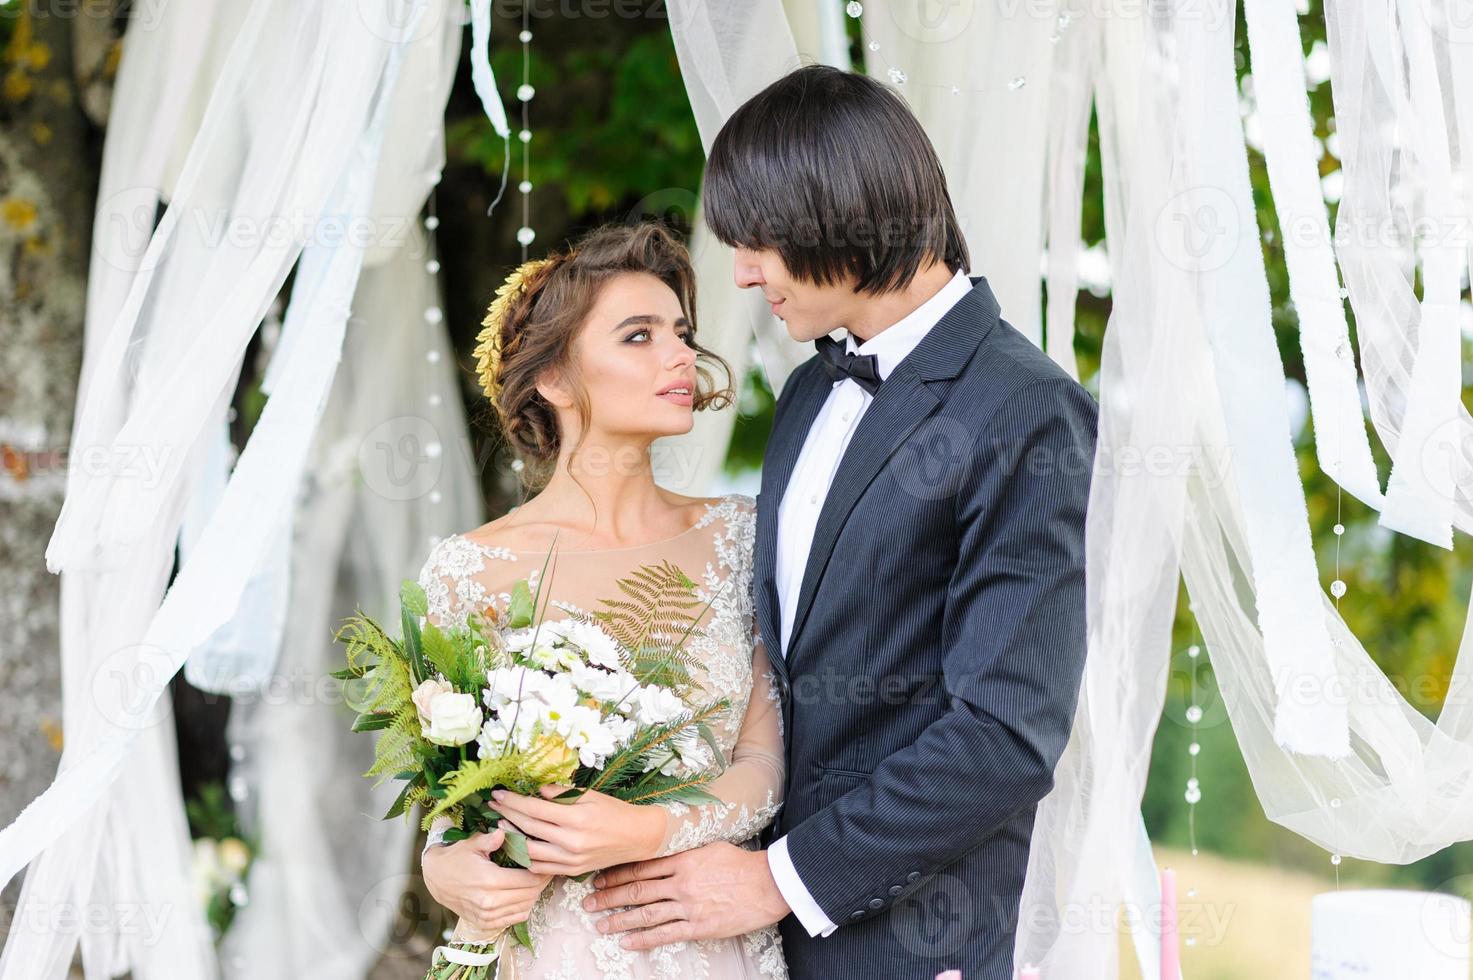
<point x="522" y="772"/>
<point x="393" y="753"/>
<point x="668" y="789"/>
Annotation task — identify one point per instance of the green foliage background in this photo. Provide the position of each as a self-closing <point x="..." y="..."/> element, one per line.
<point x="614" y="138"/>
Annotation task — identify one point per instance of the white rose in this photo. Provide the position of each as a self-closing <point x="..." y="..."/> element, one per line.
<point x="455" y="719"/>
<point x="422" y="695"/>
<point x="655" y="705"/>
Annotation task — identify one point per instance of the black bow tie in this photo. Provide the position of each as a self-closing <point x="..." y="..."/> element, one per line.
<point x="862" y="369"/>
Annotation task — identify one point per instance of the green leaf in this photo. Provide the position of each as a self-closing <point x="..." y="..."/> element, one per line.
<point x="412" y="597"/>
<point x="519" y="611"/>
<point x="440" y="653"/>
<point x="397" y="810"/>
<point x="515" y="847"/>
<point x="371" y="722"/>
<point x="709" y="737"/>
<point x="520" y="934"/>
<point x="418" y="672"/>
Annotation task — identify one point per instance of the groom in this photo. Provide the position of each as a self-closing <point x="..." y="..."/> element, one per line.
<point x="919" y="561"/>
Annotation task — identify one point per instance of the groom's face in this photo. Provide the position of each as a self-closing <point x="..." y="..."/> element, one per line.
<point x="808" y="310"/>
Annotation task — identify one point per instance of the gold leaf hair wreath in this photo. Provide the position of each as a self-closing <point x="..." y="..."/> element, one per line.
<point x="488" y="341"/>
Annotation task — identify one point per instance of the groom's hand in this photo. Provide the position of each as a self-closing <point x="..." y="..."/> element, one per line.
<point x="710" y="892"/>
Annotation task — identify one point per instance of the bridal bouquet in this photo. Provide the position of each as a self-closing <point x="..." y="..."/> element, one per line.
<point x="512" y="700"/>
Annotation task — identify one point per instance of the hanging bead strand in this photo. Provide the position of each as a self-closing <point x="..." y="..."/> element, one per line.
<point x="525" y="92"/>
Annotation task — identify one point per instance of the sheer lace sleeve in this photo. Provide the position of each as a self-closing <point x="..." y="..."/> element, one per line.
<point x="750" y="790"/>
<point x="451" y="582"/>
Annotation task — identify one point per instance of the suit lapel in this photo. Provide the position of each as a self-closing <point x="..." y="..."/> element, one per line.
<point x="784" y="446"/>
<point x="902" y="403"/>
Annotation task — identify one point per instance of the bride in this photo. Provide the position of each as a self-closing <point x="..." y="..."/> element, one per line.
<point x="588" y="356"/>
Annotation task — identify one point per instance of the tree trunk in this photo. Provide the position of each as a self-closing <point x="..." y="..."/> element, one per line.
<point x="57" y="70"/>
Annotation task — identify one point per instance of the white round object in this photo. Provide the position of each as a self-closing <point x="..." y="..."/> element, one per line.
<point x="1390" y="935"/>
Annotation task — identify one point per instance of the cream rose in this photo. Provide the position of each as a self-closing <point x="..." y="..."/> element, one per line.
<point x="422" y="695"/>
<point x="455" y="719"/>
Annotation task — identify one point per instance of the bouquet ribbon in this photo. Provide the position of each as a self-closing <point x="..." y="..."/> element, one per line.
<point x="465" y="957"/>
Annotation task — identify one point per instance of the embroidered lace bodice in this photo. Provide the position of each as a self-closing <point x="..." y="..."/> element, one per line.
<point x="465" y="575"/>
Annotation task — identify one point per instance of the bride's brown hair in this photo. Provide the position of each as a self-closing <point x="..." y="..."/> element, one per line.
<point x="544" y="319"/>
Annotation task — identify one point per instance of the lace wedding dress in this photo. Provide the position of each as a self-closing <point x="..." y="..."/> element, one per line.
<point x="463" y="575"/>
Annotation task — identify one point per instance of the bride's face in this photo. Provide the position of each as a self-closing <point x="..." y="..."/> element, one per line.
<point x="633" y="358"/>
<point x="808" y="310"/>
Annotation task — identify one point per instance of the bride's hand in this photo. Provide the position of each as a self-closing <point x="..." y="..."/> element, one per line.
<point x="463" y="878"/>
<point x="596" y="831"/>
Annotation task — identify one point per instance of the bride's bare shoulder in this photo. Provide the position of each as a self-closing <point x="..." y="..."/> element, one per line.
<point x="699" y="505"/>
<point x="511" y="532"/>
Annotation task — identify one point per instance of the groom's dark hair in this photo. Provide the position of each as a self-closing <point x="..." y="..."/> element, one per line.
<point x="831" y="170"/>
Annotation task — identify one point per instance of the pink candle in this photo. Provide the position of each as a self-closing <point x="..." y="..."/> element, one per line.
<point x="1028" y="973"/>
<point x="1170" y="952"/>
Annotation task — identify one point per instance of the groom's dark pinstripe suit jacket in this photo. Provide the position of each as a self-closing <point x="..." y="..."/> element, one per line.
<point x="931" y="678"/>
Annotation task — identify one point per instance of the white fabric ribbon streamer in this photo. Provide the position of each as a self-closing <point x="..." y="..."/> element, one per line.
<point x="1419" y="493"/>
<point x="1341" y="444"/>
<point x="483" y="80"/>
<point x="1227" y="287"/>
<point x="240" y="655"/>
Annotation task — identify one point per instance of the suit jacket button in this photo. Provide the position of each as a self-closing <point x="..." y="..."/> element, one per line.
<point x="912" y="876"/>
<point x="857" y="914"/>
<point x="877" y="903"/>
<point x="896" y="889"/>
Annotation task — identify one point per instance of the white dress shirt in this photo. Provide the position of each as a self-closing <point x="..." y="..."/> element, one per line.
<point x="797" y="518"/>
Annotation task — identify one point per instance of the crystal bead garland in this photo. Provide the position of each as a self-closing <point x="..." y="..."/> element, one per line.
<point x="1193" y="794"/>
<point x="434" y="315"/>
<point x="901" y="79"/>
<point x="525" y="93"/>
